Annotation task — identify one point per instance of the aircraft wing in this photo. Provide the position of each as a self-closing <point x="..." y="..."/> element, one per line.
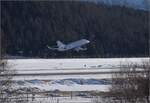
<point x="79" y="48"/>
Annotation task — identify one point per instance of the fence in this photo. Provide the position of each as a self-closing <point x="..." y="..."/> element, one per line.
<point x="45" y="97"/>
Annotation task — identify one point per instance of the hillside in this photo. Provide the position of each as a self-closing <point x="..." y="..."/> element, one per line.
<point x="114" y="31"/>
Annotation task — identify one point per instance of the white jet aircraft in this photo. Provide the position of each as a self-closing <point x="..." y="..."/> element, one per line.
<point x="73" y="45"/>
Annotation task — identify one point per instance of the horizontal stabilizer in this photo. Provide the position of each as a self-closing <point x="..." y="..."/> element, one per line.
<point x="51" y="48"/>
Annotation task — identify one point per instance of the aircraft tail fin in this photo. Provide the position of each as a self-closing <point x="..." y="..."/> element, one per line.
<point x="60" y="44"/>
<point x="49" y="47"/>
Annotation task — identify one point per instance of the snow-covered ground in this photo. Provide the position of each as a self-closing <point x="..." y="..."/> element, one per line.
<point x="70" y="87"/>
<point x="66" y="84"/>
<point x="41" y="64"/>
<point x="68" y="74"/>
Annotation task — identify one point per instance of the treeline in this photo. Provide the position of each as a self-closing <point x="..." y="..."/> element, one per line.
<point x="113" y="31"/>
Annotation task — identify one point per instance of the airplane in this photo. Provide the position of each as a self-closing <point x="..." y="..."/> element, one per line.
<point x="73" y="45"/>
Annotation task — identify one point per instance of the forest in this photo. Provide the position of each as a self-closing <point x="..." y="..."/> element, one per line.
<point x="114" y="31"/>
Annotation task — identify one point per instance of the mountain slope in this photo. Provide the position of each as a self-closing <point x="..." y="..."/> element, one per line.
<point x="114" y="31"/>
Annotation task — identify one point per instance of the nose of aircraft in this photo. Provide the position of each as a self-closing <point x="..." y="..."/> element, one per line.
<point x="87" y="41"/>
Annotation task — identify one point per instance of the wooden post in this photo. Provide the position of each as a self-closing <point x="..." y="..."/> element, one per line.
<point x="33" y="96"/>
<point x="0" y="45"/>
<point x="27" y="96"/>
<point x="71" y="94"/>
<point x="57" y="100"/>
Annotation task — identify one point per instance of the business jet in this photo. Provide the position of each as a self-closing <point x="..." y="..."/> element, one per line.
<point x="73" y="45"/>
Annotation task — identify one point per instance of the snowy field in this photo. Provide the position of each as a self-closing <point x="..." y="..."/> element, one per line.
<point x="88" y="63"/>
<point x="68" y="74"/>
